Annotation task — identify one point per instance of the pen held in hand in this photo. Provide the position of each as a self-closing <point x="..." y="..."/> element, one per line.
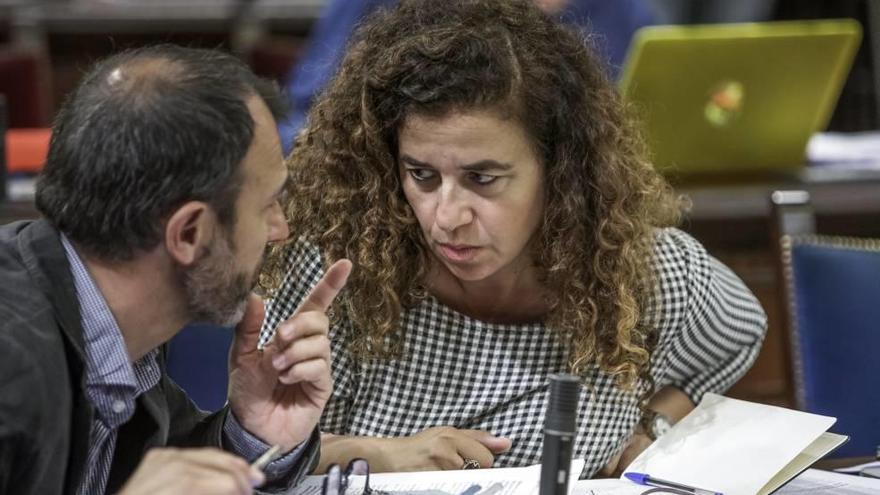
<point x="267" y="457"/>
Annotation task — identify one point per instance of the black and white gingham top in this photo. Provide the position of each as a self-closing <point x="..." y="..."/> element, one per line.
<point x="461" y="372"/>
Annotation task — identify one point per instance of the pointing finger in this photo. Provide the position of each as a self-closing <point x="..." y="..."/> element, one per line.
<point x="322" y="296"/>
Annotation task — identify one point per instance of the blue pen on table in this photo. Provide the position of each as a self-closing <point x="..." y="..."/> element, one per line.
<point x="471" y="490"/>
<point x="644" y="479"/>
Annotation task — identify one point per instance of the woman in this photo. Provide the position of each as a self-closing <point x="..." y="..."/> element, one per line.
<point x="474" y="162"/>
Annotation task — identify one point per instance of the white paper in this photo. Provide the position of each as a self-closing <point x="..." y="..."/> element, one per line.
<point x="498" y="481"/>
<point x="607" y="487"/>
<point x="815" y="482"/>
<point x="850" y="147"/>
<point x="730" y="446"/>
<point x="810" y="482"/>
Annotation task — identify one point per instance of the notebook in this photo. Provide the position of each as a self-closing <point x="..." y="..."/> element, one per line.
<point x="736" y="98"/>
<point x="737" y="447"/>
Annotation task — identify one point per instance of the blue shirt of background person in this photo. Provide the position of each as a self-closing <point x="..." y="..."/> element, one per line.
<point x="613" y="22"/>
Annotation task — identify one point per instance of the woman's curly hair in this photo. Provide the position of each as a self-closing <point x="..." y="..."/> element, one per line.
<point x="603" y="197"/>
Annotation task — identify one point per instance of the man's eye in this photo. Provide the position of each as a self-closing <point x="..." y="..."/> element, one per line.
<point x="280" y="200"/>
<point x="421" y="174"/>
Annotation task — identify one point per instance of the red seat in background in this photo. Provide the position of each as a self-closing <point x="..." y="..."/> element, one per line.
<point x="26" y="150"/>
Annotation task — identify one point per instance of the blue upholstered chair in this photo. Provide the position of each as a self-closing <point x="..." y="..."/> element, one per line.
<point x="832" y="292"/>
<point x="197" y="360"/>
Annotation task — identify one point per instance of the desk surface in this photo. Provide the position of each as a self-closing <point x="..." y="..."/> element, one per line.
<point x="730" y="217"/>
<point x="832" y="464"/>
<point x="830" y="194"/>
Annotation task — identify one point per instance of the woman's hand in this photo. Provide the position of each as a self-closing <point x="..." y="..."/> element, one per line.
<point x="668" y="401"/>
<point x="434" y="449"/>
<point x="635" y="446"/>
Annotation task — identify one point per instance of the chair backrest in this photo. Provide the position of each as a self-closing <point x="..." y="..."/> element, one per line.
<point x="25" y="80"/>
<point x="197" y="360"/>
<point x="831" y="287"/>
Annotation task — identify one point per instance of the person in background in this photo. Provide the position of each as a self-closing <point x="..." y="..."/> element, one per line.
<point x="611" y="25"/>
<point x="160" y="194"/>
<point x="475" y="162"/>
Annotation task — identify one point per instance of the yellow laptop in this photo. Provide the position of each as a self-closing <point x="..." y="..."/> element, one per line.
<point x="736" y="98"/>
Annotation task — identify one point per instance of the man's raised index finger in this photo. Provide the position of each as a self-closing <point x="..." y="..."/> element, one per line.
<point x="323" y="294"/>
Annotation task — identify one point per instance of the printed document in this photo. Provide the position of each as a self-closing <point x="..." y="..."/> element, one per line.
<point x="499" y="481"/>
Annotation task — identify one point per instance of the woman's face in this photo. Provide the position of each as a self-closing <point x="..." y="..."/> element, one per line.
<point x="477" y="189"/>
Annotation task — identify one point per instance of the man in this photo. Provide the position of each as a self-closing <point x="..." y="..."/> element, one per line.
<point x="160" y="194"/>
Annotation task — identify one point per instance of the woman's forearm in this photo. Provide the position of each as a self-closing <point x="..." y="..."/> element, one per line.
<point x="339" y="449"/>
<point x="671" y="402"/>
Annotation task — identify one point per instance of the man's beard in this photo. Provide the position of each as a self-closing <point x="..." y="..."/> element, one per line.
<point x="217" y="293"/>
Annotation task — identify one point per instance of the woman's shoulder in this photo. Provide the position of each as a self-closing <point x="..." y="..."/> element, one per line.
<point x="690" y="279"/>
<point x="676" y="251"/>
<point x="678" y="261"/>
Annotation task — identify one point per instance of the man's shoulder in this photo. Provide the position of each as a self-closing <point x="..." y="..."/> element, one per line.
<point x="35" y="379"/>
<point x="32" y="348"/>
<point x="31" y="340"/>
<point x="23" y="303"/>
<point x="9" y="244"/>
<point x="36" y="408"/>
<point x="16" y="249"/>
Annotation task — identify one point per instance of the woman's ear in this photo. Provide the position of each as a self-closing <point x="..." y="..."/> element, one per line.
<point x="188" y="230"/>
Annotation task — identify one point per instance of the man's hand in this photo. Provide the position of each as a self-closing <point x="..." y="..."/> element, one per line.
<point x="278" y="393"/>
<point x="189" y="471"/>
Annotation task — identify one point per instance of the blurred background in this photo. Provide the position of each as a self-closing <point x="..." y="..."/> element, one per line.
<point x="57" y="39"/>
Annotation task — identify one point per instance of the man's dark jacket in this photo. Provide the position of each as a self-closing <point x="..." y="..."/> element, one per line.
<point x="44" y="414"/>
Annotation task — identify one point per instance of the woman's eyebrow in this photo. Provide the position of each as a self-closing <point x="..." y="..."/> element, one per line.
<point x="480" y="166"/>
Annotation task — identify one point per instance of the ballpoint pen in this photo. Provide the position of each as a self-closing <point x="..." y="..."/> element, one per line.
<point x="267" y="457"/>
<point x="644" y="479"/>
<point x="471" y="490"/>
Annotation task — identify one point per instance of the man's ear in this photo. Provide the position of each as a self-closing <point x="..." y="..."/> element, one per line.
<point x="188" y="230"/>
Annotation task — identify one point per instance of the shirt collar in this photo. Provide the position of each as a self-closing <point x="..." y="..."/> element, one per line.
<point x="110" y="375"/>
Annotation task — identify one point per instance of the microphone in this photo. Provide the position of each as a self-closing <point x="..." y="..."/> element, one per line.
<point x="559" y="432"/>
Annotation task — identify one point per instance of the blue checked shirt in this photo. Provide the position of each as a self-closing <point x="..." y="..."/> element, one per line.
<point x="113" y="384"/>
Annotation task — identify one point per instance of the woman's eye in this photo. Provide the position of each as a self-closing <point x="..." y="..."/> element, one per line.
<point x="483" y="179"/>
<point x="421" y="174"/>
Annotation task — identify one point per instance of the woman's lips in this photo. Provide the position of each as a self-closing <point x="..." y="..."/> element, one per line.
<point x="458" y="253"/>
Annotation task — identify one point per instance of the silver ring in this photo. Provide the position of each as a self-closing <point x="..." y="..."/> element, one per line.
<point x="471" y="464"/>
